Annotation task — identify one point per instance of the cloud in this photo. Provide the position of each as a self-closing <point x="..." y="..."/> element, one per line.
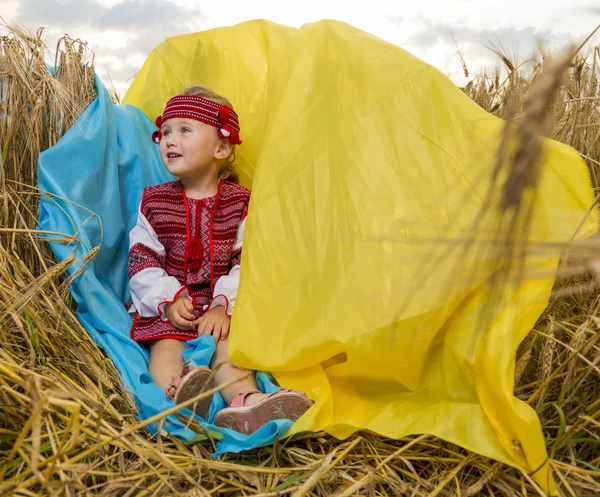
<point x="518" y="43"/>
<point x="153" y="15"/>
<point x="425" y="38"/>
<point x="148" y="14"/>
<point x="128" y="30"/>
<point x="143" y="24"/>
<point x="60" y="13"/>
<point x="119" y="71"/>
<point x="438" y="42"/>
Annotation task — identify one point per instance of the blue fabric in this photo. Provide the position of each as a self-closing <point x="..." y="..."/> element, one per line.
<point x="103" y="164"/>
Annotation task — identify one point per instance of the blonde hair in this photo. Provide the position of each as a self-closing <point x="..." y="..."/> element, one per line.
<point x="227" y="170"/>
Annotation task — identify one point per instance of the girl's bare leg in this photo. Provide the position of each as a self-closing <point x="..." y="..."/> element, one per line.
<point x="228" y="372"/>
<point x="166" y="361"/>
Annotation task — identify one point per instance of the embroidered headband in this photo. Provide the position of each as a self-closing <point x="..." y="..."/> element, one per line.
<point x="201" y="109"/>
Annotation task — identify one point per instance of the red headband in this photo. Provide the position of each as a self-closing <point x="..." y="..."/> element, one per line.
<point x="201" y="109"/>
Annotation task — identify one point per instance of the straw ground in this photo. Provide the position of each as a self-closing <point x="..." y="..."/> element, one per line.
<point x="67" y="426"/>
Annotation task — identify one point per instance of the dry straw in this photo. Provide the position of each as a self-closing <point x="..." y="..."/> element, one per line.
<point x="67" y="427"/>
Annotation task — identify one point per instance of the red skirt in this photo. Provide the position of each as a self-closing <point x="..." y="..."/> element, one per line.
<point x="154" y="328"/>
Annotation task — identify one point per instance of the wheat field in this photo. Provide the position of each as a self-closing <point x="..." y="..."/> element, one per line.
<point x="68" y="427"/>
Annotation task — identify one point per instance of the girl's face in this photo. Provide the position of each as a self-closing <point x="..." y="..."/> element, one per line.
<point x="188" y="148"/>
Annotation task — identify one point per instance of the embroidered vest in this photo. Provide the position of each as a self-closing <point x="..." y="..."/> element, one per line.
<point x="167" y="209"/>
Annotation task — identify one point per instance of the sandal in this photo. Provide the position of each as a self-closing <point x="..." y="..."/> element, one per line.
<point x="283" y="404"/>
<point x="189" y="384"/>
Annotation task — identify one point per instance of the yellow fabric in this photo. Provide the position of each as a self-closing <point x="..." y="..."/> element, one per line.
<point x="365" y="163"/>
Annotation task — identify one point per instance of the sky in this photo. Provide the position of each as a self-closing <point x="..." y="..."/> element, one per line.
<point x="121" y="33"/>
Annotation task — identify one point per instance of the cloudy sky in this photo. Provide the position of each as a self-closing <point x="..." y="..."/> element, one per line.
<point x="122" y="33"/>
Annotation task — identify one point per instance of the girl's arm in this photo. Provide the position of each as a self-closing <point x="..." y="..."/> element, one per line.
<point x="151" y="287"/>
<point x="226" y="287"/>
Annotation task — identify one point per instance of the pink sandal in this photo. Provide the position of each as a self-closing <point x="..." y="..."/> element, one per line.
<point x="189" y="384"/>
<point x="283" y="404"/>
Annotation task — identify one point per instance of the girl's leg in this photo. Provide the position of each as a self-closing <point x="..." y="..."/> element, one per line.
<point x="166" y="361"/>
<point x="250" y="412"/>
<point x="227" y="371"/>
<point x="166" y="368"/>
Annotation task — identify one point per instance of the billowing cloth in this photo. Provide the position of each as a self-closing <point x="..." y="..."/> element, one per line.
<point x="101" y="166"/>
<point x="366" y="165"/>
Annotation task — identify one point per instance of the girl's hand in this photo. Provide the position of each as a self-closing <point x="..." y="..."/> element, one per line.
<point x="214" y="322"/>
<point x="181" y="314"/>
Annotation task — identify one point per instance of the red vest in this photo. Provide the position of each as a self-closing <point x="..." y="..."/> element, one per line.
<point x="181" y="223"/>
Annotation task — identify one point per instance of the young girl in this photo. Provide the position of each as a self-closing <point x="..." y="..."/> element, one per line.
<point x="184" y="262"/>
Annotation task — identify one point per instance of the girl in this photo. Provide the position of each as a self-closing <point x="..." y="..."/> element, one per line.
<point x="184" y="262"/>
